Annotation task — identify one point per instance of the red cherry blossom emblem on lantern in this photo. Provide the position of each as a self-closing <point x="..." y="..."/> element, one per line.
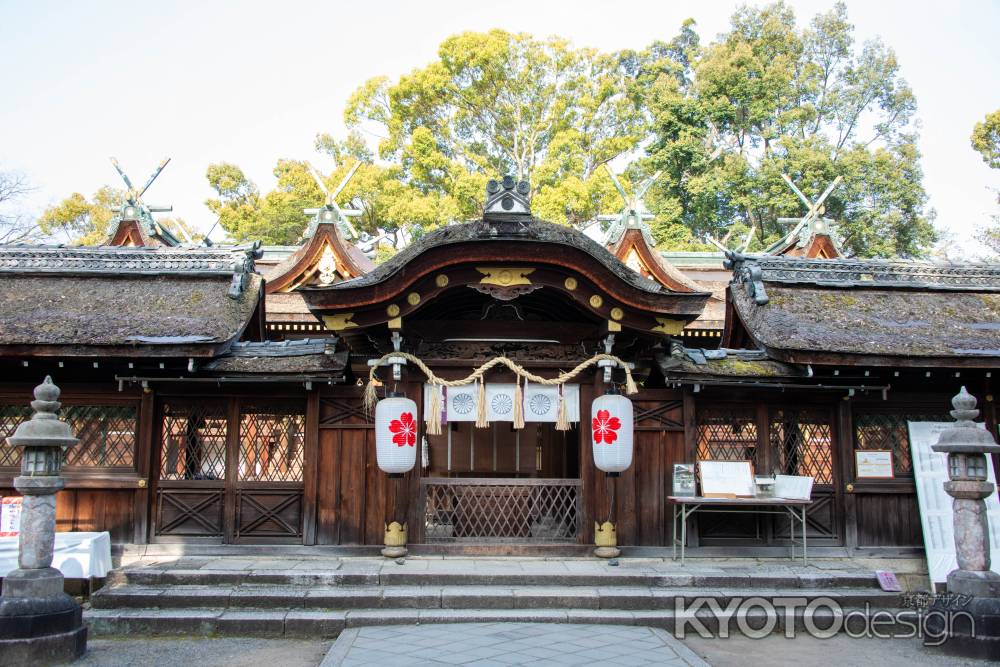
<point x="606" y="427"/>
<point x="404" y="430"/>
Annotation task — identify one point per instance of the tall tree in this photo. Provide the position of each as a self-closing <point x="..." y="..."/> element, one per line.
<point x="14" y="226"/>
<point x="496" y="103"/>
<point x="986" y="141"/>
<point x="777" y="100"/>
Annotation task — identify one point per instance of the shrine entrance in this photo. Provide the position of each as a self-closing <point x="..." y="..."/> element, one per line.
<point x="500" y="484"/>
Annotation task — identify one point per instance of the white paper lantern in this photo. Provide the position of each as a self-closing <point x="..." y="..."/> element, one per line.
<point x="396" y="429"/>
<point x="611" y="432"/>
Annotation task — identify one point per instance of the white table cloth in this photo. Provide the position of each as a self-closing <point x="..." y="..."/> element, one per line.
<point x="77" y="555"/>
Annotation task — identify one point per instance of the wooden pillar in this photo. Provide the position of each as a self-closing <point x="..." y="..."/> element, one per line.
<point x="310" y="468"/>
<point x="592" y="485"/>
<point x="144" y="467"/>
<point x="232" y="470"/>
<point x="845" y="449"/>
<point x="691" y="455"/>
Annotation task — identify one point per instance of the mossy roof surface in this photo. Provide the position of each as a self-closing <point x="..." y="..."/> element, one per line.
<point x="94" y="310"/>
<point x="911" y="322"/>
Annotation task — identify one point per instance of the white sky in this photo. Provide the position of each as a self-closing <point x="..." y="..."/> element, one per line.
<point x="250" y="82"/>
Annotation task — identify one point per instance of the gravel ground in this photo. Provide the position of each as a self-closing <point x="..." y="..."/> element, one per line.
<point x="182" y="652"/>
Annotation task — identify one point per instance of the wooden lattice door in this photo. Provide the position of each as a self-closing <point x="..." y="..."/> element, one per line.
<point x="191" y="486"/>
<point x="230" y="470"/>
<point x="792" y="440"/>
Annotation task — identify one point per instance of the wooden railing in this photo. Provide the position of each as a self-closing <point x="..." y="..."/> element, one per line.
<point x="501" y="510"/>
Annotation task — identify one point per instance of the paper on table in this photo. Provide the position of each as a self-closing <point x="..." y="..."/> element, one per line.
<point x="726" y="478"/>
<point x="793" y="487"/>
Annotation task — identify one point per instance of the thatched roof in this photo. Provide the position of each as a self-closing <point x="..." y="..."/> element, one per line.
<point x="883" y="312"/>
<point x="127" y="301"/>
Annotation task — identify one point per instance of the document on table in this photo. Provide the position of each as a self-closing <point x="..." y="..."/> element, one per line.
<point x="793" y="487"/>
<point x="726" y="478"/>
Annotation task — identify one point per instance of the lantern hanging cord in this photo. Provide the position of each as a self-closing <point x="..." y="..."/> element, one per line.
<point x="370" y="396"/>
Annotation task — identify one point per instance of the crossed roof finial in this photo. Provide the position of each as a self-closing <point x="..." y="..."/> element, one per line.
<point x="330" y="212"/>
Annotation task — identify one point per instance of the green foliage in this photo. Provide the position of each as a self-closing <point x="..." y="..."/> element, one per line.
<point x="83" y="221"/>
<point x="275" y="218"/>
<point x="804" y="102"/>
<point x="496" y="103"/>
<point x="986" y="139"/>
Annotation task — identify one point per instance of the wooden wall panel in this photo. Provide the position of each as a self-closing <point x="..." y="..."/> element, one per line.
<point x="92" y="510"/>
<point x="888" y="519"/>
<point x="328" y="486"/>
<point x="354" y="498"/>
<point x="641" y="491"/>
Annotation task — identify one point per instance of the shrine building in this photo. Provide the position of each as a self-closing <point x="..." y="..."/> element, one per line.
<point x="219" y="393"/>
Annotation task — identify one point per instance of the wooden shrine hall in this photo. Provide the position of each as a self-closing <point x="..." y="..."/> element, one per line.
<point x="219" y="394"/>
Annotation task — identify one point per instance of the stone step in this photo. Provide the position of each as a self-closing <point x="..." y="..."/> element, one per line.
<point x="329" y="623"/>
<point x="458" y="597"/>
<point x="403" y="576"/>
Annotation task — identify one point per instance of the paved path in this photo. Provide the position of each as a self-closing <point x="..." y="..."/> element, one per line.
<point x="499" y="644"/>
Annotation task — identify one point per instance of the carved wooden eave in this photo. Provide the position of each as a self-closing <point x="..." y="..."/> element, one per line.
<point x="506" y="258"/>
<point x="634" y="251"/>
<point x="325" y="258"/>
<point x="136" y="234"/>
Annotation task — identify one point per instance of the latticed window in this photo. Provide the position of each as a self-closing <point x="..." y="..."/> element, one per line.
<point x="271" y="443"/>
<point x="727" y="433"/>
<point x="10" y="417"/>
<point x="107" y="435"/>
<point x="888" y="431"/>
<point x="803" y="442"/>
<point x="193" y="441"/>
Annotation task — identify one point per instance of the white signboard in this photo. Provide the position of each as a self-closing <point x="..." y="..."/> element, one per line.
<point x="10" y="516"/>
<point x="793" y="487"/>
<point x="726" y="478"/>
<point x="541" y="402"/>
<point x="873" y="463"/>
<point x="930" y="472"/>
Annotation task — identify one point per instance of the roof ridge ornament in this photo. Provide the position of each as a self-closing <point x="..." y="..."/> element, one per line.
<point x="330" y="212"/>
<point x="748" y="271"/>
<point x="135" y="209"/>
<point x="635" y="214"/>
<point x="507" y="197"/>
<point x="812" y="223"/>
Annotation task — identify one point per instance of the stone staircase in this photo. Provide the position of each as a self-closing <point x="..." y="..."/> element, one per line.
<point x="321" y="597"/>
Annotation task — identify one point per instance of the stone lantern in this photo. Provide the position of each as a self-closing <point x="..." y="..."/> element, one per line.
<point x="39" y="623"/>
<point x="977" y="631"/>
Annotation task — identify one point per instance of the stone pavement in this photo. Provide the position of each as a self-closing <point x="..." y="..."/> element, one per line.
<point x="449" y="569"/>
<point x="500" y="644"/>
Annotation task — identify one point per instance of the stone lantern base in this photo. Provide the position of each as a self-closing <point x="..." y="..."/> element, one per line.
<point x="39" y="623"/>
<point x="971" y="630"/>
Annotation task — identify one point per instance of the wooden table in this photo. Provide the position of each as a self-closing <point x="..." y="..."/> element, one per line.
<point x="685" y="506"/>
